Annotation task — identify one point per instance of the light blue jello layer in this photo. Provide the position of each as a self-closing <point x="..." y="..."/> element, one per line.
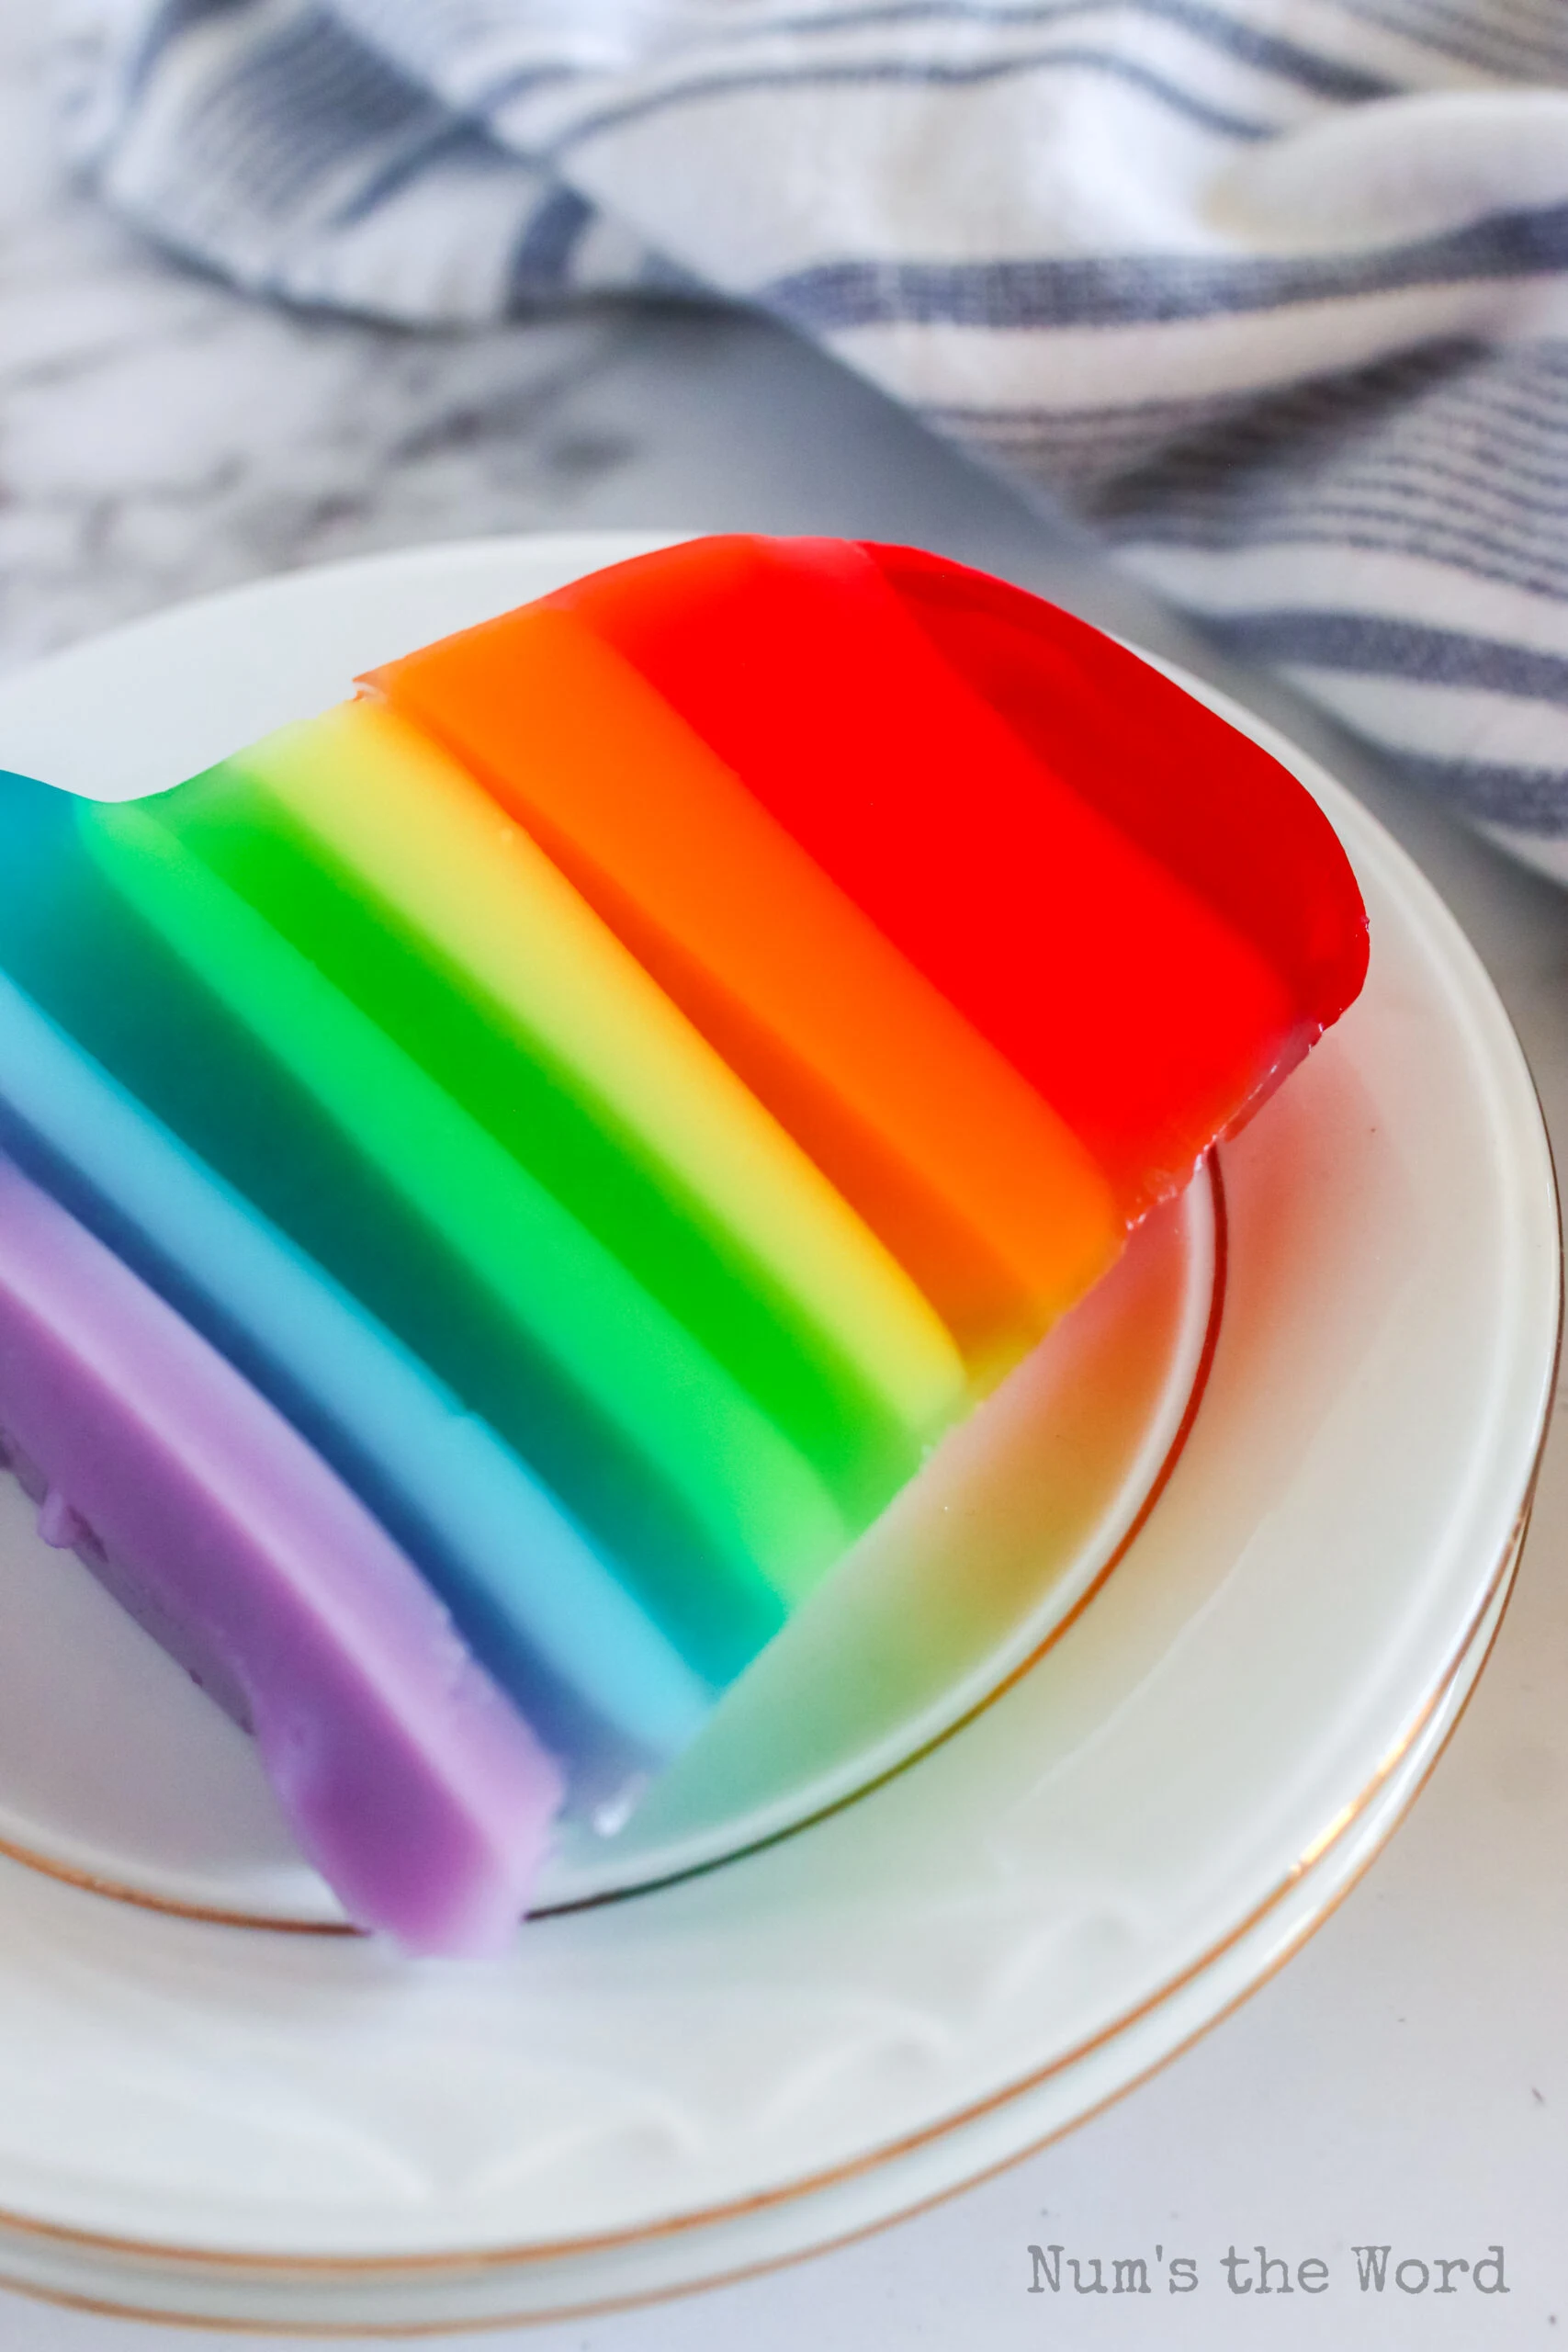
<point x="540" y="1608"/>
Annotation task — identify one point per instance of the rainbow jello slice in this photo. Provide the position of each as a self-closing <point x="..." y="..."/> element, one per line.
<point x="610" y="1097"/>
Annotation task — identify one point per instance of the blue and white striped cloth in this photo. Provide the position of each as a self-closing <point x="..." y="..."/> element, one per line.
<point x="1274" y="291"/>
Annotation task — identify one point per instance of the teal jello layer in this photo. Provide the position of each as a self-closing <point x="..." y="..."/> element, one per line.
<point x="285" y="1091"/>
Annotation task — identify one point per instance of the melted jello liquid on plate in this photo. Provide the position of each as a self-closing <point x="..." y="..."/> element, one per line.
<point x="504" y="1181"/>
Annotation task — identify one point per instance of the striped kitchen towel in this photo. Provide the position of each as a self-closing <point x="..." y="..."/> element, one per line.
<point x="1274" y="292"/>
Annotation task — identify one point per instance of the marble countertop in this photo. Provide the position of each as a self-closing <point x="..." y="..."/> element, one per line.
<point x="1405" y="2078"/>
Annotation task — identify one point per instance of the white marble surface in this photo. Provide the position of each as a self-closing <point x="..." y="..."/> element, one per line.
<point x="1406" y="2078"/>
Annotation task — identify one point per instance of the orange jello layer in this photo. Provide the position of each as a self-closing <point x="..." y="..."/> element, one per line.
<point x="952" y="1156"/>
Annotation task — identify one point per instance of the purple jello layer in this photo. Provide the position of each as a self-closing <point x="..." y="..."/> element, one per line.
<point x="411" y="1784"/>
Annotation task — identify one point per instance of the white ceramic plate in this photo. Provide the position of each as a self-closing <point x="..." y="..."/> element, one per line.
<point x="232" y="2123"/>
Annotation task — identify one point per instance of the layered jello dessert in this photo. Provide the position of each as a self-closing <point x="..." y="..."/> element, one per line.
<point x="505" y="1182"/>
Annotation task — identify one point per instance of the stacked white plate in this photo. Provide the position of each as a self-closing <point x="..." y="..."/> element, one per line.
<point x="823" y="1977"/>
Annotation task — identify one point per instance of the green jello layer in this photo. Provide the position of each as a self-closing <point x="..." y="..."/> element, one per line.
<point x="537" y="1107"/>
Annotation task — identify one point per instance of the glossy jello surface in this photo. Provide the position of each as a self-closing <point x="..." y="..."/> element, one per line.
<point x="619" y="1091"/>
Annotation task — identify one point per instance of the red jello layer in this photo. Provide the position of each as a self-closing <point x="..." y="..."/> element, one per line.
<point x="1010" y="818"/>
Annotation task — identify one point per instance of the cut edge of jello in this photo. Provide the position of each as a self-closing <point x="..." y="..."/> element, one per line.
<point x="632" y="1079"/>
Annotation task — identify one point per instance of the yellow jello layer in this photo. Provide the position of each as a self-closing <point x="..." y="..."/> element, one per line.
<point x="414" y="829"/>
